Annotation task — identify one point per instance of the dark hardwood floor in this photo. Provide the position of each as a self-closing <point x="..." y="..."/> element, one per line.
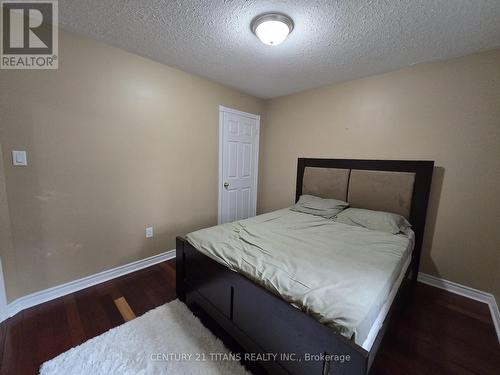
<point x="440" y="333"/>
<point x="435" y="333"/>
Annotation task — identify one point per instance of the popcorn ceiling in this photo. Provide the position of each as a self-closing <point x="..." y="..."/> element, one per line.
<point x="332" y="41"/>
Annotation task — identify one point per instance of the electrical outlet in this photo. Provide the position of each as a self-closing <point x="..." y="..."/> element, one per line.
<point x="149" y="232"/>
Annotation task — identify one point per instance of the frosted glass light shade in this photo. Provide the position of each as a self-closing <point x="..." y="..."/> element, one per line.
<point x="272" y="28"/>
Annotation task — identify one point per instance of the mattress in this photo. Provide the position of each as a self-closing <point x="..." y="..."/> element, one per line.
<point x="377" y="324"/>
<point x="341" y="275"/>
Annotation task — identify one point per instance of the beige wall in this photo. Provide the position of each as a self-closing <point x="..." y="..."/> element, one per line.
<point x="446" y="111"/>
<point x="7" y="255"/>
<point x="115" y="142"/>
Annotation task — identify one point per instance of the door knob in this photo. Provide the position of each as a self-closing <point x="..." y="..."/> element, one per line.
<point x="226" y="184"/>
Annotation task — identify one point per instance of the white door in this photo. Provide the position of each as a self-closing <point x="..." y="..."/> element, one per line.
<point x="238" y="164"/>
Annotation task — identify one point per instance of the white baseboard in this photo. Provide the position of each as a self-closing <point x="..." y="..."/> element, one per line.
<point x="465" y="291"/>
<point x="37" y="298"/>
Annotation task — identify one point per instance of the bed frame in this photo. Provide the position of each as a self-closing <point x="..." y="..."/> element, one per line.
<point x="261" y="322"/>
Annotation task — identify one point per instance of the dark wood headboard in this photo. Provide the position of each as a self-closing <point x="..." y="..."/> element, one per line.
<point x="421" y="174"/>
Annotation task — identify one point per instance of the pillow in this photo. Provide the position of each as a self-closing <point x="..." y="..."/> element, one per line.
<point x="374" y="220"/>
<point x="326" y="208"/>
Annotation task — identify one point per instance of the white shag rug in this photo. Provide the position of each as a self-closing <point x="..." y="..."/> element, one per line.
<point x="166" y="340"/>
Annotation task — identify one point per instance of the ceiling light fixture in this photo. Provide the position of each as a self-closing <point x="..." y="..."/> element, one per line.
<point x="272" y="28"/>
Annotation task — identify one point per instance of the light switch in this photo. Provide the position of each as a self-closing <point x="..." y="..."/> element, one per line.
<point x="19" y="158"/>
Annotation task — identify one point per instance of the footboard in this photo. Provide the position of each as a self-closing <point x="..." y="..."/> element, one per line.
<point x="289" y="341"/>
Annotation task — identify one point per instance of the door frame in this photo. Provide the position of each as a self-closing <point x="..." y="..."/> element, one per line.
<point x="223" y="110"/>
<point x="3" y="297"/>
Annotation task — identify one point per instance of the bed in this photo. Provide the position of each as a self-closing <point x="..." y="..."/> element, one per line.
<point x="298" y="290"/>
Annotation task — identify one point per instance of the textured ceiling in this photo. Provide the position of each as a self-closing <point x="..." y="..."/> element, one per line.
<point x="333" y="40"/>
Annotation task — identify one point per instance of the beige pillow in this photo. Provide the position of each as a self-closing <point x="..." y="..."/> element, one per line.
<point x="374" y="220"/>
<point x="326" y="208"/>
